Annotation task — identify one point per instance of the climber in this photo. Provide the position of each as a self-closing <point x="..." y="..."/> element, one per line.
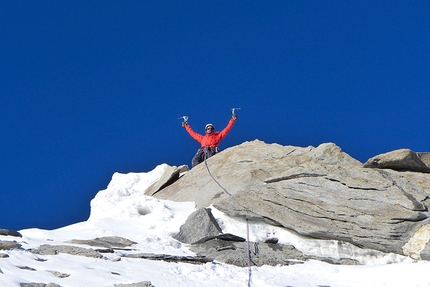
<point x="210" y="141"/>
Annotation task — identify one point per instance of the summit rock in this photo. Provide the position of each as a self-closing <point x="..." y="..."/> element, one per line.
<point x="319" y="192"/>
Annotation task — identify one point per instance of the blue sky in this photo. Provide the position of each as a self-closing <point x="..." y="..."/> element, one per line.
<point x="89" y="88"/>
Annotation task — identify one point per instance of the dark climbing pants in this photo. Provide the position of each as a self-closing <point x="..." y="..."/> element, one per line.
<point x="202" y="153"/>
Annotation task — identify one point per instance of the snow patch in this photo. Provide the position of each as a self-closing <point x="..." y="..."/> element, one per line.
<point x="125" y="196"/>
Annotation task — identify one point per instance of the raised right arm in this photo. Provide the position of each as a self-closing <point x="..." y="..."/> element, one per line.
<point x="193" y="134"/>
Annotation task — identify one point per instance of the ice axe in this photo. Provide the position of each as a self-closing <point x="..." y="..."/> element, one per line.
<point x="185" y="118"/>
<point x="232" y="111"/>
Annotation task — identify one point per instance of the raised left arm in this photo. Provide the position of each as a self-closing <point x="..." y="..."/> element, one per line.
<point x="225" y="131"/>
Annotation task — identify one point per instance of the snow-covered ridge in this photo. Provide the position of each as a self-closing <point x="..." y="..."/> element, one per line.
<point x="123" y="210"/>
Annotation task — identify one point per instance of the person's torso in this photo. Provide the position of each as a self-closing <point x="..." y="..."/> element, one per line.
<point x="211" y="139"/>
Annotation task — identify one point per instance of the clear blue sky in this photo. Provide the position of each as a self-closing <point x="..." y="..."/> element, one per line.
<point x="89" y="88"/>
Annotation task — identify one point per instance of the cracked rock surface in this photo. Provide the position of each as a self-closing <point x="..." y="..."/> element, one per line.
<point x="317" y="192"/>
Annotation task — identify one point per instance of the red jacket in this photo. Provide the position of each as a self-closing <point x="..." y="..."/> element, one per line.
<point x="213" y="139"/>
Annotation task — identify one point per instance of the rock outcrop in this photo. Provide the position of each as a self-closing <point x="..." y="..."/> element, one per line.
<point x="401" y="160"/>
<point x="8" y="232"/>
<point x="8" y="245"/>
<point x="207" y="241"/>
<point x="317" y="192"/>
<point x="170" y="175"/>
<point x="107" y="242"/>
<point x="47" y="249"/>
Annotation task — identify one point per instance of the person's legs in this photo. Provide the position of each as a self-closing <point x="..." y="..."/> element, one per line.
<point x="201" y="154"/>
<point x="198" y="157"/>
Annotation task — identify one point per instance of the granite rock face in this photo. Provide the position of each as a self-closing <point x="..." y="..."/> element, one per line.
<point x="319" y="192"/>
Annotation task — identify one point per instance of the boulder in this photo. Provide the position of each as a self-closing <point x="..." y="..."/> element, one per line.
<point x="170" y="175"/>
<point x="318" y="192"/>
<point x="199" y="225"/>
<point x="402" y="160"/>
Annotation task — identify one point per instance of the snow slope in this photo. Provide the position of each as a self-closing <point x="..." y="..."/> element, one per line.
<point x="123" y="210"/>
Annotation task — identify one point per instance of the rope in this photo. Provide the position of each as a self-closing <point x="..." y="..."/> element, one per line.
<point x="249" y="253"/>
<point x="247" y="223"/>
<point x="209" y="171"/>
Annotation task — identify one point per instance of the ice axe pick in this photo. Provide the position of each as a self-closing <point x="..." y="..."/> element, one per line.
<point x="185" y="118"/>
<point x="232" y="111"/>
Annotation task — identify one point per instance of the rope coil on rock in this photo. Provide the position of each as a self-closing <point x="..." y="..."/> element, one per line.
<point x="247" y="223"/>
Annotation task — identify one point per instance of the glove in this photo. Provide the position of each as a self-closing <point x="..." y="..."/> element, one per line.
<point x="184" y="124"/>
<point x="234" y="117"/>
